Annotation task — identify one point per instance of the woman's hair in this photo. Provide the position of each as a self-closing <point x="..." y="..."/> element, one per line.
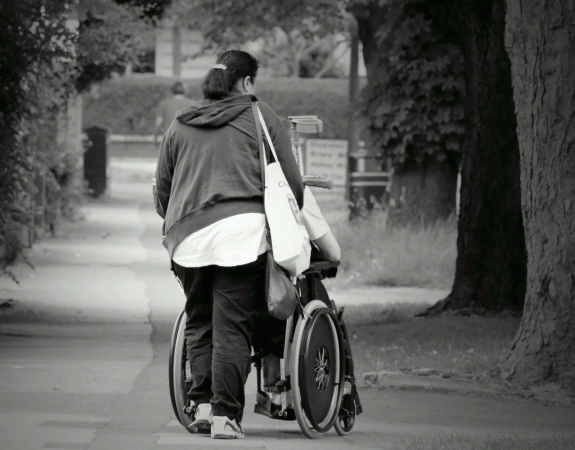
<point x="220" y="81"/>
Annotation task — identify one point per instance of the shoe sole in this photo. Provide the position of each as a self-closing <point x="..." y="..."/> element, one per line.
<point x="226" y="436"/>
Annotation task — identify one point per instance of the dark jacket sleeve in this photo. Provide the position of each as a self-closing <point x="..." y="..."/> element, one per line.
<point x="162" y="183"/>
<point x="282" y="145"/>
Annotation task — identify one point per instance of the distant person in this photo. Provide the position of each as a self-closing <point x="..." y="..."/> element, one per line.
<point x="168" y="108"/>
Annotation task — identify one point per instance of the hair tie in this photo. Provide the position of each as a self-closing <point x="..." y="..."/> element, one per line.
<point x="219" y="66"/>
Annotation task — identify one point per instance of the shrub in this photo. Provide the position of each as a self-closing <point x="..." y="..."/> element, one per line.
<point x="34" y="76"/>
<point x="126" y="105"/>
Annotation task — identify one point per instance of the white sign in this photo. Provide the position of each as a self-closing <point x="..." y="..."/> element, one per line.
<point x="327" y="158"/>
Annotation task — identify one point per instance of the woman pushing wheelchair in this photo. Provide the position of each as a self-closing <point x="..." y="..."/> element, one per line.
<point x="208" y="189"/>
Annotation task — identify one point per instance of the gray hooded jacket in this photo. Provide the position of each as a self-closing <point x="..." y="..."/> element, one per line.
<point x="209" y="166"/>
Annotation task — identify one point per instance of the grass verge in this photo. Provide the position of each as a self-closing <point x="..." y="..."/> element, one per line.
<point x="372" y="254"/>
<point x="390" y="338"/>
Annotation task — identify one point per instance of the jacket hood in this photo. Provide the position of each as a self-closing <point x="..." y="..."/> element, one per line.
<point x="213" y="114"/>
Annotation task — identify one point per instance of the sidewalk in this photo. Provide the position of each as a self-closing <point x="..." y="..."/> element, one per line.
<point x="86" y="275"/>
<point x="83" y="274"/>
<point x="64" y="275"/>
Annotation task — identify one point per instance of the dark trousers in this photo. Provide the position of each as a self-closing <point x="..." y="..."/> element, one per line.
<point x="226" y="317"/>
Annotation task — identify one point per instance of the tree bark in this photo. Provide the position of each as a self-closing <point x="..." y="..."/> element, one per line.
<point x="369" y="18"/>
<point x="491" y="258"/>
<point x="423" y="193"/>
<point x="540" y="40"/>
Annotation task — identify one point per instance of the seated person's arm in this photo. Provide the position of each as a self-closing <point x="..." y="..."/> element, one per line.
<point x="328" y="247"/>
<point x="318" y="229"/>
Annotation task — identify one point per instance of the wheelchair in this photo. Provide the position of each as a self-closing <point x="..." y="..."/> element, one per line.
<point x="317" y="383"/>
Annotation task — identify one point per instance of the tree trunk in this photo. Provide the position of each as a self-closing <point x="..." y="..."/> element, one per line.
<point x="540" y="40"/>
<point x="491" y="258"/>
<point x="369" y="19"/>
<point x="423" y="193"/>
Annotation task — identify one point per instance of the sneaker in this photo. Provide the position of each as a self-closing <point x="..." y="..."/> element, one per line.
<point x="225" y="428"/>
<point x="202" y="419"/>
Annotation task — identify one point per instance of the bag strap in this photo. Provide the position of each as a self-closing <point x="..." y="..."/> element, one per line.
<point x="263" y="124"/>
<point x="263" y="163"/>
<point x="260" y="145"/>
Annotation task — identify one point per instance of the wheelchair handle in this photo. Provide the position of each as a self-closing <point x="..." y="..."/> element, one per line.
<point x="317" y="181"/>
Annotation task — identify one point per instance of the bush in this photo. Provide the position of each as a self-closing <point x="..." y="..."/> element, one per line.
<point x="127" y="105"/>
<point x="35" y="80"/>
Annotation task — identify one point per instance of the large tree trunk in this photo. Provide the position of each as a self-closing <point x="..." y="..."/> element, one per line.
<point x="540" y="40"/>
<point x="491" y="258"/>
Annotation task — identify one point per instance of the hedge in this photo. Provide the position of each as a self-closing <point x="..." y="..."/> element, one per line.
<point x="126" y="105"/>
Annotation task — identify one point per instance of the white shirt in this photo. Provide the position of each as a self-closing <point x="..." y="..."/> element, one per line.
<point x="240" y="239"/>
<point x="232" y="241"/>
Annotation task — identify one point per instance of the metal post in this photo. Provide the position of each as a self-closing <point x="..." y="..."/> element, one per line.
<point x="353" y="93"/>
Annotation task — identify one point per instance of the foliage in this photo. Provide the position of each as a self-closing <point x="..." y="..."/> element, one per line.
<point x="152" y="9"/>
<point x="302" y="23"/>
<point x="43" y="60"/>
<point x="294" y="55"/>
<point x="109" y="39"/>
<point x="415" y="108"/>
<point x="234" y="21"/>
<point x="35" y="68"/>
<point x="127" y="105"/>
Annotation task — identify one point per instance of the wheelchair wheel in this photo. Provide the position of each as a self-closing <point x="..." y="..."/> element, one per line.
<point x="317" y="373"/>
<point x="346" y="416"/>
<point x="178" y="370"/>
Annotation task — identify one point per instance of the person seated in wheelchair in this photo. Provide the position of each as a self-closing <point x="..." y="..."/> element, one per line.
<point x="324" y="248"/>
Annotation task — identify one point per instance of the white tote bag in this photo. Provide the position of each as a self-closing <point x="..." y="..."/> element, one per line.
<point x="289" y="238"/>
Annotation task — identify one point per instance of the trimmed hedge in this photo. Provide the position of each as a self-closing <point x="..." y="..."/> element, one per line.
<point x="127" y="105"/>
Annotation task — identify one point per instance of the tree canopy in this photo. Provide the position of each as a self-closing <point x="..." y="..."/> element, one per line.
<point x="234" y="21"/>
<point x="109" y="38"/>
<point x="291" y="29"/>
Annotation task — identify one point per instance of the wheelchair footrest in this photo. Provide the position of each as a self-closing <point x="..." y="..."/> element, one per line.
<point x="355" y="399"/>
<point x="265" y="407"/>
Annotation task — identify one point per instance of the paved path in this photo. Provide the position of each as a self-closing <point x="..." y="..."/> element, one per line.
<point x="84" y="347"/>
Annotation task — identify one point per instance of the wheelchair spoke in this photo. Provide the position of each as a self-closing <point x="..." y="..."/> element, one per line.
<point x="322" y="368"/>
